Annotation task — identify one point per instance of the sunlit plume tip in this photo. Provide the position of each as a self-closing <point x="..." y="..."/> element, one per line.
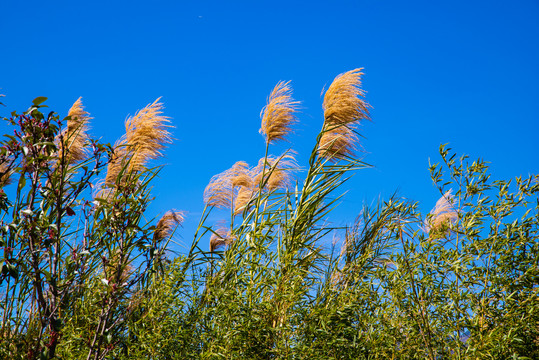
<point x="218" y="193"/>
<point x="72" y="140"/>
<point x="147" y="132"/>
<point x="240" y="175"/>
<point x="146" y="136"/>
<point x="344" y="100"/>
<point x="166" y="225"/>
<point x="278" y="115"/>
<point x="344" y="107"/>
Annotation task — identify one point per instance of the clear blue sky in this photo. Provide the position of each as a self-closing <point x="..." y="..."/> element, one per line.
<point x="458" y="72"/>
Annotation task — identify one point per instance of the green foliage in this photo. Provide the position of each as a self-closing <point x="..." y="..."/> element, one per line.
<point x="68" y="279"/>
<point x="87" y="278"/>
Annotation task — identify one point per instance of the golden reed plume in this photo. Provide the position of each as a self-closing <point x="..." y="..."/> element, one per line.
<point x="276" y="173"/>
<point x="222" y="189"/>
<point x="218" y="193"/>
<point x="338" y="143"/>
<point x="278" y="115"/>
<point x="72" y="140"/>
<point x="244" y="195"/>
<point x="344" y="107"/>
<point x="147" y="132"/>
<point x="343" y="101"/>
<point x="240" y="175"/>
<point x="443" y="215"/>
<point x="221" y="237"/>
<point x="235" y="187"/>
<point x="146" y="136"/>
<point x="166" y="225"/>
<point x="117" y="162"/>
<point x="5" y="175"/>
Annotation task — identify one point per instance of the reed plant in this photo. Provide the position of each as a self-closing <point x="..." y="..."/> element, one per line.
<point x="274" y="279"/>
<point x="73" y="265"/>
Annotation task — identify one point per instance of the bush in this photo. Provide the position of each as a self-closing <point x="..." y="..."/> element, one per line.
<point x="69" y="283"/>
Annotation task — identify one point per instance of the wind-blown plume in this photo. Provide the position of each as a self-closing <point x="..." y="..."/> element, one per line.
<point x="344" y="100"/>
<point x="101" y="191"/>
<point x="147" y="133"/>
<point x="442" y="216"/>
<point x="221" y="191"/>
<point x="242" y="199"/>
<point x="241" y="180"/>
<point x="218" y="193"/>
<point x="5" y="175"/>
<point x="72" y="140"/>
<point x="344" y="107"/>
<point x="278" y="115"/>
<point x="276" y="173"/>
<point x="221" y="237"/>
<point x="166" y="225"/>
<point x="146" y="136"/>
<point x="338" y="143"/>
<point x="240" y="175"/>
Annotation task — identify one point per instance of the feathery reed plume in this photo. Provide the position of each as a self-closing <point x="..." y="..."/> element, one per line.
<point x="344" y="100"/>
<point x="276" y="174"/>
<point x="344" y="107"/>
<point x="221" y="190"/>
<point x="117" y="162"/>
<point x="5" y="175"/>
<point x="145" y="138"/>
<point x="73" y="138"/>
<point x="218" y="193"/>
<point x="338" y="143"/>
<point x="242" y="199"/>
<point x="221" y="237"/>
<point x="241" y="178"/>
<point x="240" y="175"/>
<point x="167" y="224"/>
<point x="278" y="114"/>
<point x="147" y="133"/>
<point x="442" y="216"/>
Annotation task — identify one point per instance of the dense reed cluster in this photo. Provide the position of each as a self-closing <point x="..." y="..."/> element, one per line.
<point x="64" y="274"/>
<point x="344" y="107"/>
<point x="87" y="273"/>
